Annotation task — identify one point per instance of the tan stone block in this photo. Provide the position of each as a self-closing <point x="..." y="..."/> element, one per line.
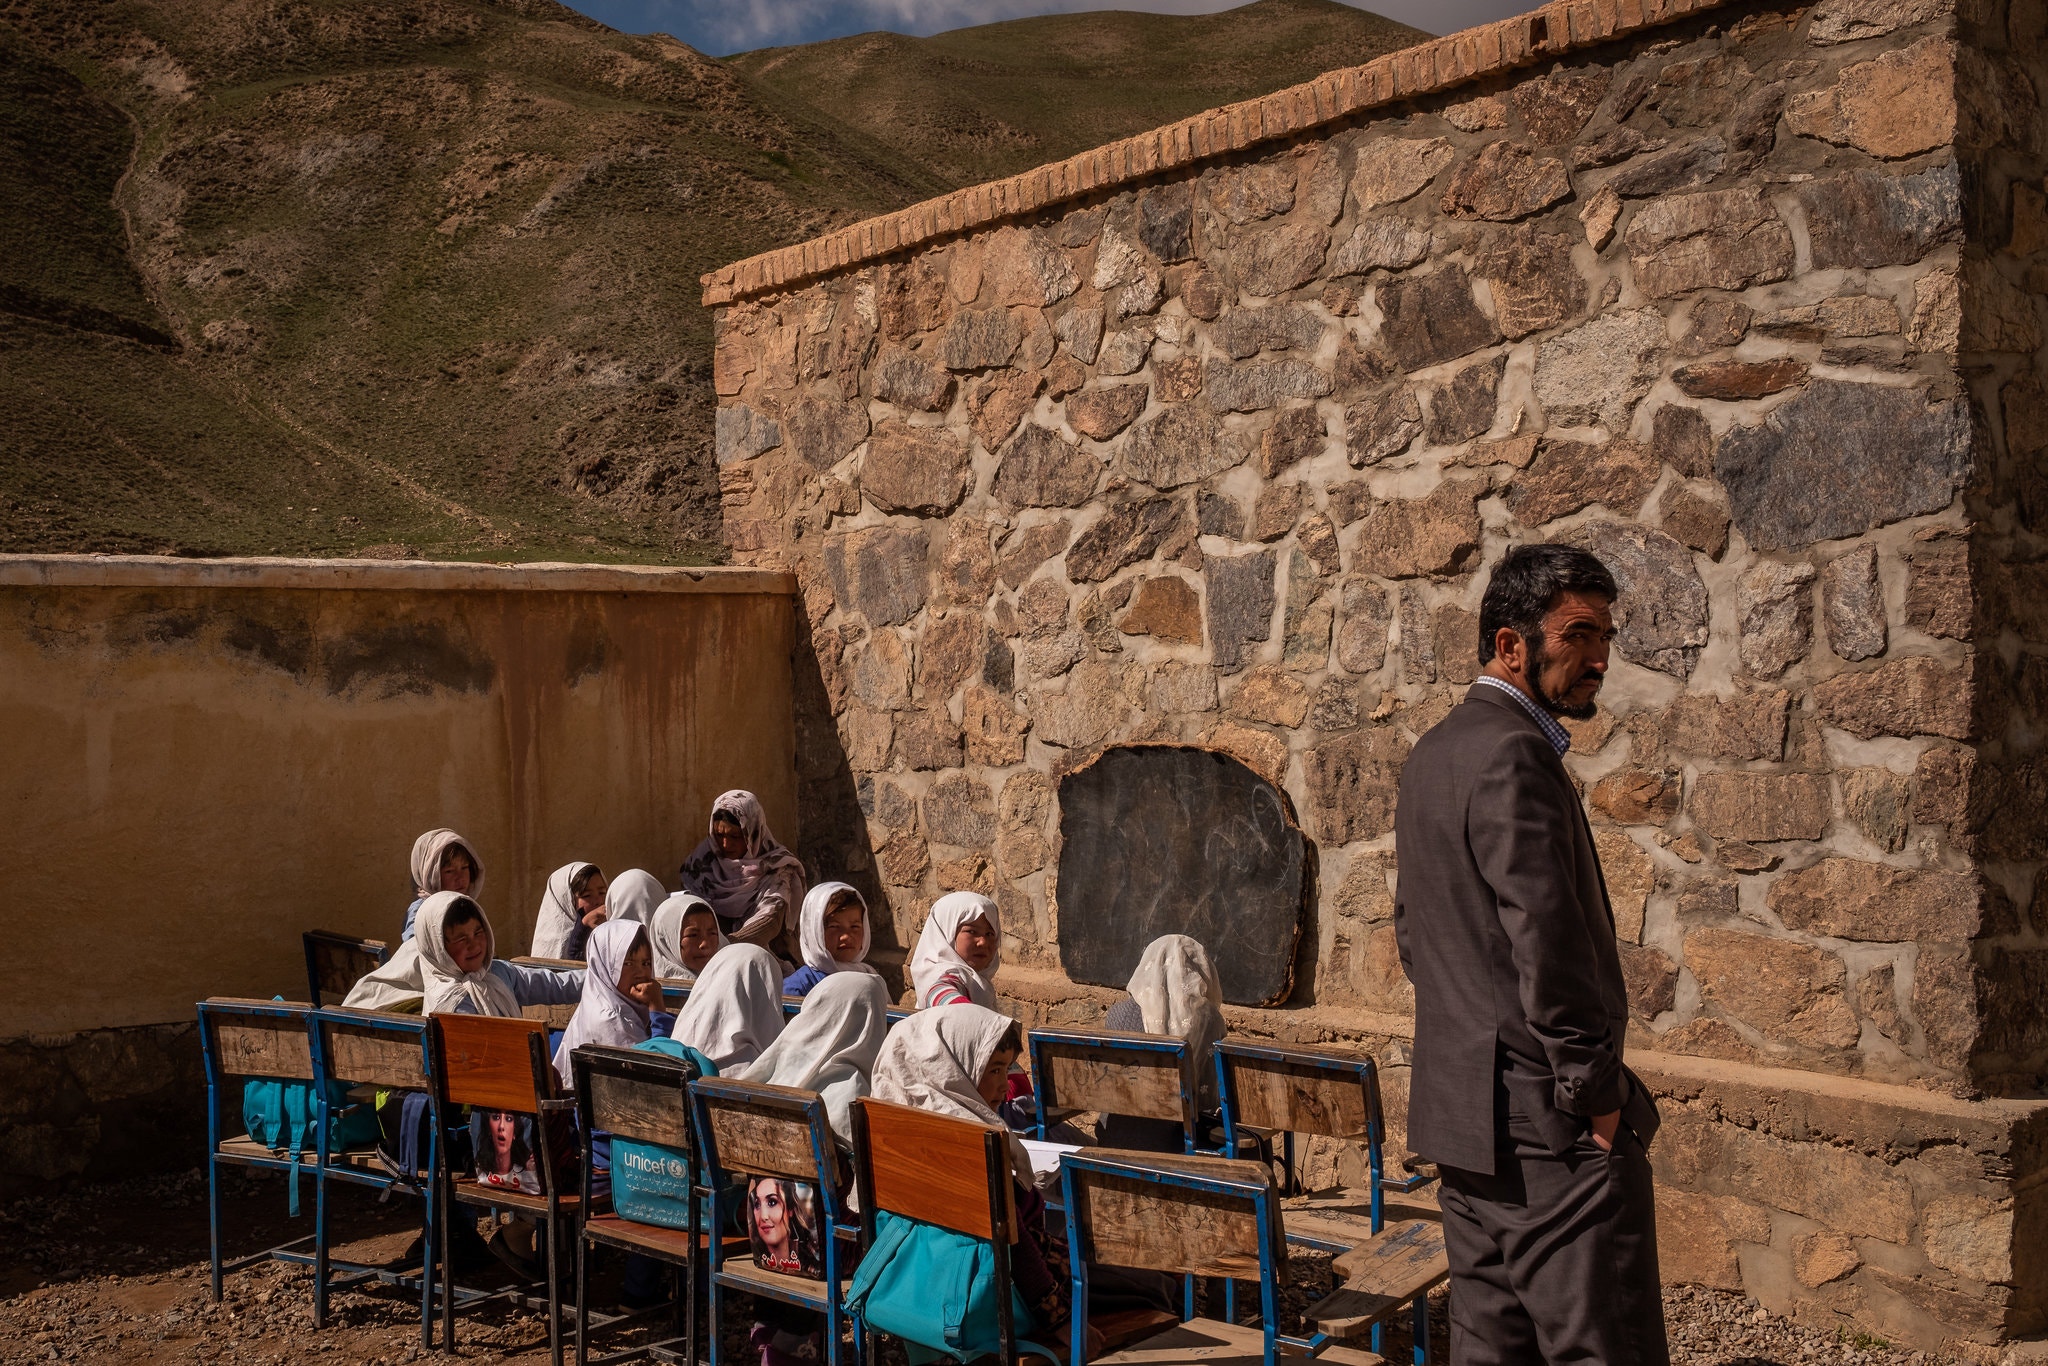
<point x="1178" y="687"/>
<point x="904" y="860"/>
<point x="1878" y="800"/>
<point x="1589" y="736"/>
<point x="1633" y="797"/>
<point x="1947" y="1002"/>
<point x="1941" y="784"/>
<point x="1695" y="520"/>
<point x="1785" y="990"/>
<point x="1020" y="854"/>
<point x="993" y="730"/>
<point x="1363" y="894"/>
<point x="1631" y="877"/>
<point x="1820" y="1256"/>
<point x="968" y="873"/>
<point x="1898" y="105"/>
<point x="1351" y="780"/>
<point x="947" y="652"/>
<point x="1915" y="696"/>
<point x="1697" y="1235"/>
<point x="1270" y="696"/>
<point x="1969" y="1236"/>
<point x="866" y="736"/>
<point x="1598" y="215"/>
<point x="1263" y="752"/>
<point x="1434" y="535"/>
<point x="1166" y="608"/>
<point x="1762" y="806"/>
<point x="1939" y="597"/>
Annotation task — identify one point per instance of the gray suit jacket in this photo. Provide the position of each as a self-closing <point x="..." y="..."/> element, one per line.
<point x="1504" y="928"/>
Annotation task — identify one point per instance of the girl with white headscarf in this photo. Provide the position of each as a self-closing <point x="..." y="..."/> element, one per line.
<point x="1175" y="992"/>
<point x="442" y="861"/>
<point x="686" y="936"/>
<point x="831" y="1046"/>
<point x="735" y="1009"/>
<point x="633" y="895"/>
<point x="613" y="1010"/>
<point x="958" y="952"/>
<point x="461" y="973"/>
<point x="752" y="882"/>
<point x="571" y="907"/>
<point x="833" y="936"/>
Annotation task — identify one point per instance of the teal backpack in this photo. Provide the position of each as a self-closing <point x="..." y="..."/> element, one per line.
<point x="651" y="1181"/>
<point x="280" y="1115"/>
<point x="936" y="1290"/>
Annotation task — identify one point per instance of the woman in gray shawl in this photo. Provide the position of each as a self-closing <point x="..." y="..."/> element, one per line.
<point x="753" y="884"/>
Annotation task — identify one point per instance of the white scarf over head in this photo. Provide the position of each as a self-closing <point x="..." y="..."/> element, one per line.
<point x="666" y="926"/>
<point x="1178" y="994"/>
<point x="605" y="1015"/>
<point x="732" y="886"/>
<point x="831" y="1046"/>
<point x="633" y="895"/>
<point x="735" y="1009"/>
<point x="395" y="985"/>
<point x="934" y="1060"/>
<point x="811" y="931"/>
<point x="428" y="851"/>
<point x="934" y="958"/>
<point x="446" y="986"/>
<point x="558" y="916"/>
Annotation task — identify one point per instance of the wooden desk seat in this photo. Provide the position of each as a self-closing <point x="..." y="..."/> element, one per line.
<point x="1218" y="1344"/>
<point x="671" y="1242"/>
<point x="1394" y="1268"/>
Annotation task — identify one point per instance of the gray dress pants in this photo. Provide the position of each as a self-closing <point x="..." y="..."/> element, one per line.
<point x="1554" y="1259"/>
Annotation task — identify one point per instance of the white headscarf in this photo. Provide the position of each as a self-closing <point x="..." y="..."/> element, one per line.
<point x="811" y="931"/>
<point x="934" y="958"/>
<point x="633" y="895"/>
<point x="558" y="915"/>
<point x="735" y="1009"/>
<point x="606" y="1014"/>
<point x="427" y="852"/>
<point x="831" y="1045"/>
<point x="934" y="1059"/>
<point x="396" y="985"/>
<point x="1178" y="994"/>
<point x="448" y="987"/>
<point x="667" y="930"/>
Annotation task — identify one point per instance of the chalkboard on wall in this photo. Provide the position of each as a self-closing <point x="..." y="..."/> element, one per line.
<point x="1165" y="839"/>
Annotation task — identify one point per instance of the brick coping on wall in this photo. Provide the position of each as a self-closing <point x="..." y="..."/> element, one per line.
<point x="1425" y="69"/>
<point x="169" y="571"/>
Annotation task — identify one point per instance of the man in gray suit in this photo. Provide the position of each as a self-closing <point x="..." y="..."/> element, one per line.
<point x="1519" y="1094"/>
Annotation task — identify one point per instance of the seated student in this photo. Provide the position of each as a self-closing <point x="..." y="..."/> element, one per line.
<point x="958" y="952"/>
<point x="572" y="906"/>
<point x="735" y="1009"/>
<point x="633" y="895"/>
<point x="619" y="990"/>
<point x="441" y="862"/>
<point x="753" y="883"/>
<point x="461" y="973"/>
<point x="957" y="1062"/>
<point x="1174" y="991"/>
<point x="685" y="933"/>
<point x="831" y="1046"/>
<point x="832" y="935"/>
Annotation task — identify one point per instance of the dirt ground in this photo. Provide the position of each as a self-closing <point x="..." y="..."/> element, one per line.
<point x="119" y="1273"/>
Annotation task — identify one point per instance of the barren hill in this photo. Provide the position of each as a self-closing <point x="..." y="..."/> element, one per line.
<point x="420" y="276"/>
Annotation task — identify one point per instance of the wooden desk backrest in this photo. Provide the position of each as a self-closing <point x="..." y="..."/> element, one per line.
<point x="527" y="960"/>
<point x="642" y="1097"/>
<point x="493" y="1063"/>
<point x="1105" y="1073"/>
<point x="1141" y="1213"/>
<point x="268" y="1039"/>
<point x="937" y="1169"/>
<point x="760" y="1129"/>
<point x="1300" y="1091"/>
<point x="367" y="1047"/>
<point x="551" y="1017"/>
<point x="338" y="962"/>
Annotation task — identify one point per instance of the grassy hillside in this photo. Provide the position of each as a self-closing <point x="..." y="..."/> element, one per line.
<point x="978" y="103"/>
<point x="420" y="276"/>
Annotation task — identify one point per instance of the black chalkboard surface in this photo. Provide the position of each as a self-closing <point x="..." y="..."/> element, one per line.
<point x="1164" y="839"/>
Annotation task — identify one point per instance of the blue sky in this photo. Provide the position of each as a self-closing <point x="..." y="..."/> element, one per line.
<point x="721" y="27"/>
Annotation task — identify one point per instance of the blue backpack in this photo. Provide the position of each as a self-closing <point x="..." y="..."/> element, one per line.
<point x="936" y="1290"/>
<point x="281" y="1114"/>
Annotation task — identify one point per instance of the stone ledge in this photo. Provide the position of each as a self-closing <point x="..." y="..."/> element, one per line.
<point x="1425" y="69"/>
<point x="169" y="571"/>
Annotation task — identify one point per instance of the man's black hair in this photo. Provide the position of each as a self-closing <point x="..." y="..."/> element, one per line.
<point x="1526" y="585"/>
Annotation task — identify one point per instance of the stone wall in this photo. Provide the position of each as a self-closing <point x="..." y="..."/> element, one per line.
<point x="204" y="759"/>
<point x="1218" y="446"/>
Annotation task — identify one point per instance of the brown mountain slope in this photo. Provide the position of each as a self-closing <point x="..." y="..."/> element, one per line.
<point x="419" y="276"/>
<point x="989" y="101"/>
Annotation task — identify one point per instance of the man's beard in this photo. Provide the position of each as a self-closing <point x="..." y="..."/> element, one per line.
<point x="1556" y="706"/>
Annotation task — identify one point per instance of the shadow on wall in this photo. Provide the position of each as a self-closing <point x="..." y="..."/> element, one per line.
<point x="107" y="1104"/>
<point x="832" y="807"/>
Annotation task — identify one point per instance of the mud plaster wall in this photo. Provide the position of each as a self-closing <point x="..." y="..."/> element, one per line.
<point x="1747" y="303"/>
<point x="200" y="769"/>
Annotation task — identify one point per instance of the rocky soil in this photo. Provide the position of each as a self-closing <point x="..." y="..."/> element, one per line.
<point x="119" y="1273"/>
